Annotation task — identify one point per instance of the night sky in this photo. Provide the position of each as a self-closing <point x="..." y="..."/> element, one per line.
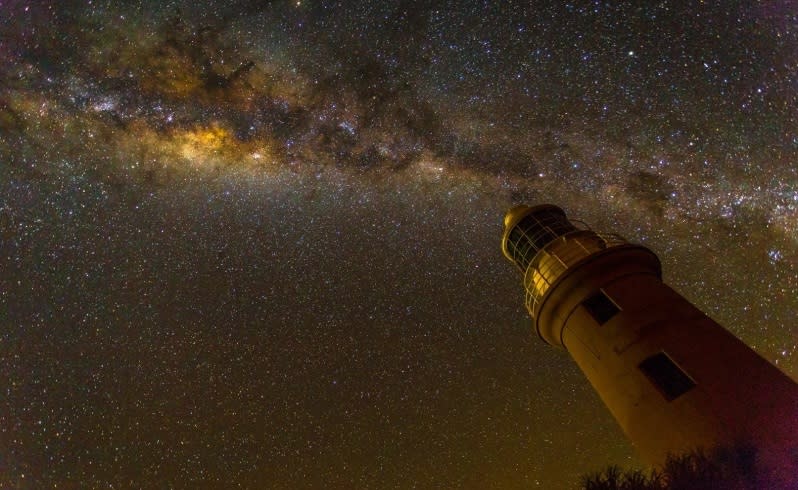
<point x="256" y="244"/>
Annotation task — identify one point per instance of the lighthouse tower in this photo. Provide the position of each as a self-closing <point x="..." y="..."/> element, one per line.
<point x="674" y="379"/>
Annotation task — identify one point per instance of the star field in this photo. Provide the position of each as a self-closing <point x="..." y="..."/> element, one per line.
<point x="257" y="244"/>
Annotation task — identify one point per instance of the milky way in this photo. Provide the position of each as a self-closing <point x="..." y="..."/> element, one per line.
<point x="257" y="244"/>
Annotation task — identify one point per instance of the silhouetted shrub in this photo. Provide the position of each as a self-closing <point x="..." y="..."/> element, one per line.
<point x="724" y="468"/>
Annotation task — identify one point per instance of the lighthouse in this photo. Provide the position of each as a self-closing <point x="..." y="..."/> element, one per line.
<point x="673" y="379"/>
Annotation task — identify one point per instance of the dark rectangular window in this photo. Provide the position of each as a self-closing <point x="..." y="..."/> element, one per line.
<point x="669" y="379"/>
<point x="600" y="307"/>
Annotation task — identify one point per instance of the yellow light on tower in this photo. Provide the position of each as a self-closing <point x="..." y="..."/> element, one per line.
<point x="673" y="378"/>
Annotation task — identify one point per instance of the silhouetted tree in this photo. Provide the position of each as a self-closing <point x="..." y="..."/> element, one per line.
<point x="724" y="468"/>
